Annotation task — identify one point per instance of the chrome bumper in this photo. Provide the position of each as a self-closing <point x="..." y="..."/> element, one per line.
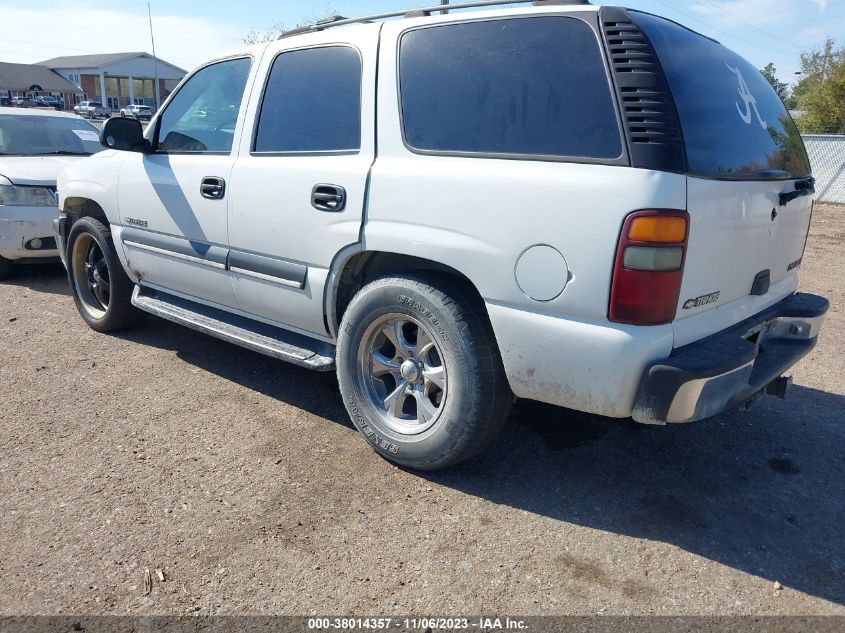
<point x="727" y="369"/>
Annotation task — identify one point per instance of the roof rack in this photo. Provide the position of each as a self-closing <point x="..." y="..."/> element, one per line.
<point x="338" y="20"/>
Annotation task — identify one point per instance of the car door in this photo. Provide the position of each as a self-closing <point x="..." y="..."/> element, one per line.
<point x="173" y="201"/>
<point x="299" y="183"/>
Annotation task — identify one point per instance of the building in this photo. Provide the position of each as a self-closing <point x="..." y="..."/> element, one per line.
<point x="118" y="79"/>
<point x="27" y="80"/>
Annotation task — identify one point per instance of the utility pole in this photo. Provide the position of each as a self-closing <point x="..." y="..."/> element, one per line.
<point x="156" y="93"/>
<point x="444" y="3"/>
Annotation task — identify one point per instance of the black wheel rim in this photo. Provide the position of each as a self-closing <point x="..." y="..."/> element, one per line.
<point x="91" y="276"/>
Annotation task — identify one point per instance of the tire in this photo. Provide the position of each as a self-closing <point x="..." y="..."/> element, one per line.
<point x="460" y="399"/>
<point x="101" y="290"/>
<point x="7" y="267"/>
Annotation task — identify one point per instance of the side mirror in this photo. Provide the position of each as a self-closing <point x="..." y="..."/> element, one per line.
<point x="124" y="134"/>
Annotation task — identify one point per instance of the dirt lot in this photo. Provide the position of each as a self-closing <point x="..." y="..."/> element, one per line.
<point x="241" y="478"/>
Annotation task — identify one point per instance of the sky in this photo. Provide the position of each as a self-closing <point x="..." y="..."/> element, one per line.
<point x="187" y="32"/>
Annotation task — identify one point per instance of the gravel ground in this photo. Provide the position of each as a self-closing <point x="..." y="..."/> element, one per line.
<point x="242" y="480"/>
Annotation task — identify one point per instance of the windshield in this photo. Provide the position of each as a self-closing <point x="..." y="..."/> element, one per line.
<point x="734" y="124"/>
<point x="27" y="135"/>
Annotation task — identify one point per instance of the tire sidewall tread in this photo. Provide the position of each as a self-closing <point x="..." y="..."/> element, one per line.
<point x="120" y="313"/>
<point x="475" y="409"/>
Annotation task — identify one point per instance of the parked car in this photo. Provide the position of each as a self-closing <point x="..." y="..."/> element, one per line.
<point x="92" y="110"/>
<point x="140" y="112"/>
<point x="521" y="215"/>
<point x="6" y="102"/>
<point x="49" y="102"/>
<point x="23" y="102"/>
<point x="34" y="146"/>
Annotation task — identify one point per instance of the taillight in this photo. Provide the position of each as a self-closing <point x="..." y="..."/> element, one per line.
<point x="649" y="267"/>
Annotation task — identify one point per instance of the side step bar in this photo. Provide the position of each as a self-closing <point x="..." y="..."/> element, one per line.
<point x="259" y="337"/>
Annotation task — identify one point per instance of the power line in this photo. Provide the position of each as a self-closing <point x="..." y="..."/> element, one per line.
<point x="724" y="33"/>
<point x="740" y="20"/>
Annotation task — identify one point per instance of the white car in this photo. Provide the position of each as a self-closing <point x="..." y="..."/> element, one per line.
<point x="588" y="206"/>
<point x="34" y="146"/>
<point x="140" y="112"/>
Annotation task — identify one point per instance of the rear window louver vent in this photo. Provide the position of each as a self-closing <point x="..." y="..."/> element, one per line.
<point x="648" y="111"/>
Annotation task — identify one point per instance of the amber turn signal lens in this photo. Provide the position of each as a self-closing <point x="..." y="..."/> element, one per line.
<point x="658" y="228"/>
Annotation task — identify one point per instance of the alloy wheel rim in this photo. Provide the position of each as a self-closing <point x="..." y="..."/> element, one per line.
<point x="403" y="373"/>
<point x="91" y="276"/>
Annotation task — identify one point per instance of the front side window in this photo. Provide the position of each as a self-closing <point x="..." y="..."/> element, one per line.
<point x="522" y="86"/>
<point x="202" y="115"/>
<point x="28" y="135"/>
<point x="312" y="102"/>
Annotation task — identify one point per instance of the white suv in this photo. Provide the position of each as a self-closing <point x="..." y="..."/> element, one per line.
<point x="592" y="207"/>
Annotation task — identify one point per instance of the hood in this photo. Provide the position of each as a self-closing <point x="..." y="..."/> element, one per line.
<point x="34" y="170"/>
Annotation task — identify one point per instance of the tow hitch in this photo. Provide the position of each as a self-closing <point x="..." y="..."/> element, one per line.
<point x="779" y="386"/>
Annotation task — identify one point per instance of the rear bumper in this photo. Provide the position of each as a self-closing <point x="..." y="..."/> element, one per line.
<point x="727" y="369"/>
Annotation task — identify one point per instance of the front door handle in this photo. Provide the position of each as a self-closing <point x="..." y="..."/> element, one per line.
<point x="328" y="197"/>
<point x="213" y="188"/>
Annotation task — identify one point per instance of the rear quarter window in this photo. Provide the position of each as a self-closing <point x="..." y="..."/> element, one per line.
<point x="520" y="86"/>
<point x="734" y="124"/>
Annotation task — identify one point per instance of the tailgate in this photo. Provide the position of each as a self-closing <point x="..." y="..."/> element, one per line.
<point x="743" y="151"/>
<point x="742" y="245"/>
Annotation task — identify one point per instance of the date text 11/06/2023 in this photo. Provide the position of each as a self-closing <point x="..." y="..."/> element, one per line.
<point x="434" y="624"/>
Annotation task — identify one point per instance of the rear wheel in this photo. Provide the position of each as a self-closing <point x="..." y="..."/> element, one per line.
<point x="101" y="290"/>
<point x="6" y="268"/>
<point x="420" y="373"/>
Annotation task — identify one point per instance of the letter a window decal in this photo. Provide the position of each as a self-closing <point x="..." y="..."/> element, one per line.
<point x="748" y="99"/>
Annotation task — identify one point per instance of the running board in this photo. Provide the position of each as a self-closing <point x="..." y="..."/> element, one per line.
<point x="258" y="337"/>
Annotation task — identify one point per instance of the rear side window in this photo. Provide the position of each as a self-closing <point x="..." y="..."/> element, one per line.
<point x="312" y="102"/>
<point x="521" y="86"/>
<point x="734" y="124"/>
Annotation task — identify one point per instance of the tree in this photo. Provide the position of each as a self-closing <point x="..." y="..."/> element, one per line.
<point x="821" y="91"/>
<point x="770" y="73"/>
<point x="259" y="37"/>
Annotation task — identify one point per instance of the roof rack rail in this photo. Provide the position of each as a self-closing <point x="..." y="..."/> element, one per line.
<point x="338" y="20"/>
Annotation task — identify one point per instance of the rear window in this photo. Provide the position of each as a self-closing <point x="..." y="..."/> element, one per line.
<point x="734" y="124"/>
<point x="525" y="86"/>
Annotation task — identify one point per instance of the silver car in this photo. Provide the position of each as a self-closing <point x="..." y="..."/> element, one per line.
<point x="35" y="145"/>
<point x="92" y="110"/>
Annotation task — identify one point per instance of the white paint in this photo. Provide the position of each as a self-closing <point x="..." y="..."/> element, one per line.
<point x="480" y="216"/>
<point x="542" y="273"/>
<point x="748" y="99"/>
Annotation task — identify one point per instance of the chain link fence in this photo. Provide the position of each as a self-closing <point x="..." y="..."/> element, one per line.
<point x="827" y="156"/>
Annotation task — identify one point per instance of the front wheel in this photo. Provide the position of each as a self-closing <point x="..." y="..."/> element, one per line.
<point x="420" y="372"/>
<point x="101" y="290"/>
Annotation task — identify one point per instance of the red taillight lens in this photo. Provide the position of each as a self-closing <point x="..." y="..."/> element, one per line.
<point x="649" y="267"/>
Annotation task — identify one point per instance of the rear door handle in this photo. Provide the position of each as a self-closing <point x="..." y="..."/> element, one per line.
<point x="804" y="187"/>
<point x="328" y="198"/>
<point x="213" y="188"/>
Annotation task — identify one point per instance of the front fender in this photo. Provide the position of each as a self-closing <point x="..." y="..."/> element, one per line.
<point x="95" y="179"/>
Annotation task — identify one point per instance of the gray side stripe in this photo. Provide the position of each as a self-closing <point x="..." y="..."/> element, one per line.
<point x="177" y="245"/>
<point x="267" y="268"/>
<point x="284" y="272"/>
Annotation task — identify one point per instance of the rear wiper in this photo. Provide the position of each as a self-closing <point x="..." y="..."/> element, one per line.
<point x="803" y="187"/>
<point x="63" y="152"/>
